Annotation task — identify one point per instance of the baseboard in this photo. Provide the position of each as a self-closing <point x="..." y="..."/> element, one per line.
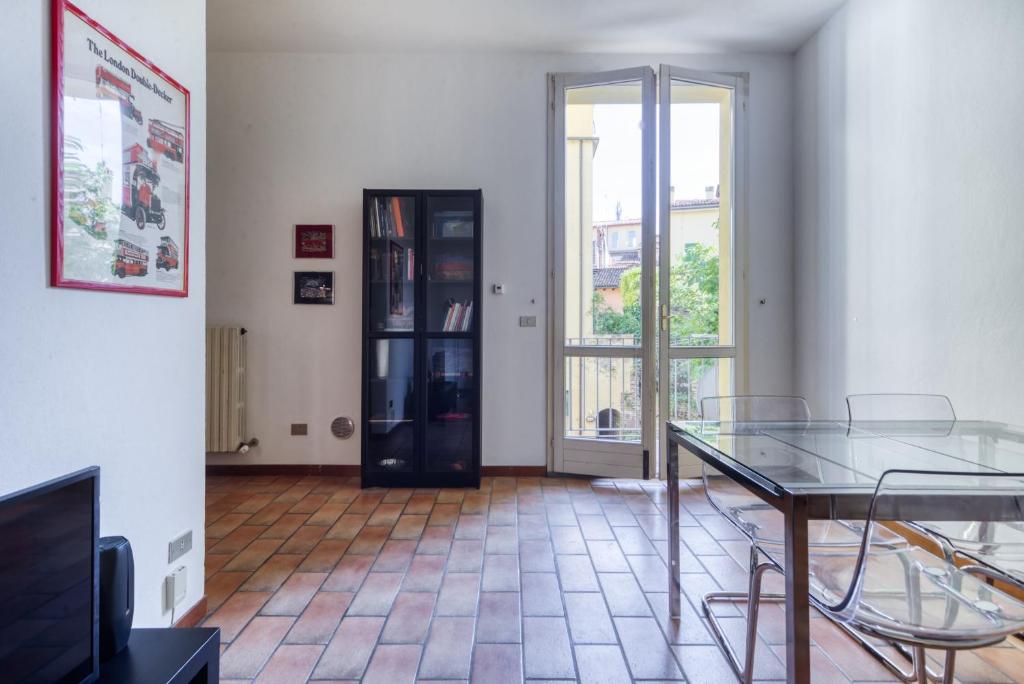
<point x="348" y="470"/>
<point x="513" y="471"/>
<point x="281" y="469"/>
<point x="194" y="615"/>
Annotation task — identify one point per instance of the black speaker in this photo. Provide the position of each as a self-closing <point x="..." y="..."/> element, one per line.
<point x="117" y="595"/>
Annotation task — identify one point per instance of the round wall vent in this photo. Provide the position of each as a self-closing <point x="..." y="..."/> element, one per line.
<point x="342" y="427"/>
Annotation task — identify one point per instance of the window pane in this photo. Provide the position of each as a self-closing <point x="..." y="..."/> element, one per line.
<point x="602" y="398"/>
<point x="603" y="200"/>
<point x="701" y="293"/>
<point x="690" y="380"/>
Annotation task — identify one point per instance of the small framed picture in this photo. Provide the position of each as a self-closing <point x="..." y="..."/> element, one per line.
<point x="314" y="287"/>
<point x="314" y="241"/>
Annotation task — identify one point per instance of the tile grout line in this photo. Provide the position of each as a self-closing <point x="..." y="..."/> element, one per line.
<point x="341" y="618"/>
<point x="440" y="586"/>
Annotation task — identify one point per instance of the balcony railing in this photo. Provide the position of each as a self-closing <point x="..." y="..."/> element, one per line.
<point x="603" y="341"/>
<point x="602" y="393"/>
<point x="602" y="398"/>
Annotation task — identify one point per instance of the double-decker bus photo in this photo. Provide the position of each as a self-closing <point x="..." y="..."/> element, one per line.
<point x="166" y="254"/>
<point x="110" y="87"/>
<point x="139" y="200"/>
<point x="129" y="259"/>
<point x="166" y="139"/>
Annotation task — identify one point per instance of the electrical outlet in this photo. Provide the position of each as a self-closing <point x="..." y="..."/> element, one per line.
<point x="527" y="321"/>
<point x="176" y="586"/>
<point x="299" y="429"/>
<point x="179" y="546"/>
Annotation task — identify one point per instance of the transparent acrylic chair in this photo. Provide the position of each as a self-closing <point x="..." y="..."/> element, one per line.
<point x="908" y="595"/>
<point x="995" y="550"/>
<point x="760" y="522"/>
<point x="888" y="408"/>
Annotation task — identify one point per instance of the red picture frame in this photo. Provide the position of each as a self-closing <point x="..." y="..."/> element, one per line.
<point x="161" y="148"/>
<point x="314" y="241"/>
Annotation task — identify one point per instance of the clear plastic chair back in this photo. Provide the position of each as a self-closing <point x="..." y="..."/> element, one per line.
<point x="899" y="407"/>
<point x="745" y="510"/>
<point x="754" y="408"/>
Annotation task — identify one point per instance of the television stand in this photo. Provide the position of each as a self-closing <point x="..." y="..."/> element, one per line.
<point x="166" y="656"/>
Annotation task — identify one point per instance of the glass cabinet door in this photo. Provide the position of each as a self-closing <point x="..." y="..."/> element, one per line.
<point x="451" y="401"/>
<point x="392" y="404"/>
<point x="450" y="226"/>
<point x="391" y="222"/>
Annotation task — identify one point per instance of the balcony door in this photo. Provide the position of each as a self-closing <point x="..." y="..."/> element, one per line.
<point x="603" y="259"/>
<point x="642" y="261"/>
<point x="697" y="174"/>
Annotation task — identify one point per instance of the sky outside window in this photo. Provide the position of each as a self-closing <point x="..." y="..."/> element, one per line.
<point x="617" y="163"/>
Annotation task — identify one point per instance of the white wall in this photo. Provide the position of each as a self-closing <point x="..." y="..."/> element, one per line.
<point x="295" y="139"/>
<point x="104" y="379"/>
<point x="909" y="249"/>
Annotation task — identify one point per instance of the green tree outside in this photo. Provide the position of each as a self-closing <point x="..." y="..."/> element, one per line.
<point x="693" y="287"/>
<point x="87" y="192"/>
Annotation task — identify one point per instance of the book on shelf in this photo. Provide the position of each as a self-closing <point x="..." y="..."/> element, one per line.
<point x="401" y="262"/>
<point x="453" y="224"/>
<point x="396" y="212"/>
<point x="390" y="217"/>
<point x="459" y="317"/>
<point x="453" y="267"/>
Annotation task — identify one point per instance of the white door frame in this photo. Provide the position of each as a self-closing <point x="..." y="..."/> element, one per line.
<point x="595" y="456"/>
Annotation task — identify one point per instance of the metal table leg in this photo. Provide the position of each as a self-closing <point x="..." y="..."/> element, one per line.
<point x="674" y="607"/>
<point x="798" y="612"/>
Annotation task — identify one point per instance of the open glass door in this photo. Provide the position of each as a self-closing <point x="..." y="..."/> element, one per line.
<point x="603" y="204"/>
<point x="697" y="148"/>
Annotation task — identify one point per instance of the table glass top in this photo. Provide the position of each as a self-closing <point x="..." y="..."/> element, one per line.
<point x="832" y="456"/>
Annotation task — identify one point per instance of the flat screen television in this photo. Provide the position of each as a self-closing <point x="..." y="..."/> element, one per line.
<point x="49" y="593"/>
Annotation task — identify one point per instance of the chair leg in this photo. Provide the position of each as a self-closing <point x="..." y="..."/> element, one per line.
<point x="950" y="667"/>
<point x="920" y="669"/>
<point x="878" y="655"/>
<point x="753" y="607"/>
<point x="753" y="597"/>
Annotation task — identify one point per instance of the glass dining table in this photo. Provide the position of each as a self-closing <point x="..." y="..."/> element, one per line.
<point x="829" y="470"/>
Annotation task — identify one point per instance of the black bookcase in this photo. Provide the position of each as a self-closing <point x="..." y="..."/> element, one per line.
<point x="421" y="338"/>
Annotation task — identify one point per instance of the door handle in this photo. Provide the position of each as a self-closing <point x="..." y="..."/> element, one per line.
<point x="664" y="317"/>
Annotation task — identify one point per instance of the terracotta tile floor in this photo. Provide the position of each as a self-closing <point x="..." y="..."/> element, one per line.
<point x="528" y="578"/>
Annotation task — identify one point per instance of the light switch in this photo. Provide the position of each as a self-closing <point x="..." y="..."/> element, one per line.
<point x="527" y="321"/>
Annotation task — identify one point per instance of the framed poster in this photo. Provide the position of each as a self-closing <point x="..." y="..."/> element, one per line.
<point x="120" y="164"/>
<point x="314" y="287"/>
<point x="314" y="241"/>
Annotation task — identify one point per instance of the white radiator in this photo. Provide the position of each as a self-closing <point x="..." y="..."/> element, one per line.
<point x="225" y="389"/>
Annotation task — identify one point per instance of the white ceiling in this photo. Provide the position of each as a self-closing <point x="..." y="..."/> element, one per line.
<point x="514" y="25"/>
